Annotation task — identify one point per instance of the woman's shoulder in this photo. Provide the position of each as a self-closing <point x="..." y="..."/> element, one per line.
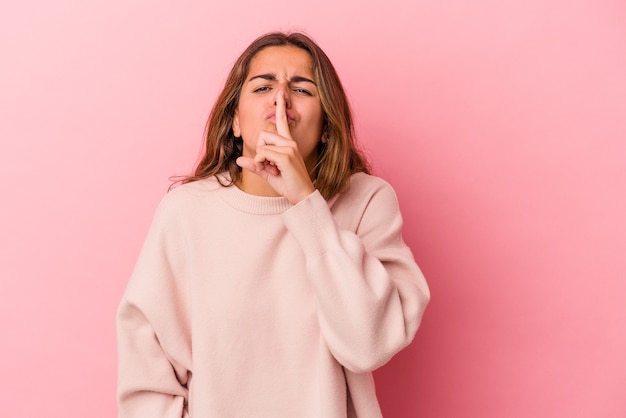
<point x="189" y="195"/>
<point x="365" y="192"/>
<point x="367" y="181"/>
<point x="367" y="202"/>
<point x="197" y="187"/>
<point x="363" y="186"/>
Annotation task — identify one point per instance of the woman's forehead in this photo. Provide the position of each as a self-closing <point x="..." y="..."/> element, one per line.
<point x="288" y="60"/>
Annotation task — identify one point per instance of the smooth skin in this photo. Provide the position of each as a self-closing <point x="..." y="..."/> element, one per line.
<point x="280" y="120"/>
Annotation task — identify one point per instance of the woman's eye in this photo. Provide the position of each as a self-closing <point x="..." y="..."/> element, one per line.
<point x="303" y="91"/>
<point x="261" y="89"/>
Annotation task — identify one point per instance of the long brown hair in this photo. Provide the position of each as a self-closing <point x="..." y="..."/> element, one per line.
<point x="338" y="158"/>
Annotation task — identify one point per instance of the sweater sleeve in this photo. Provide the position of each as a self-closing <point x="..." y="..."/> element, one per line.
<point x="153" y="340"/>
<point x="371" y="294"/>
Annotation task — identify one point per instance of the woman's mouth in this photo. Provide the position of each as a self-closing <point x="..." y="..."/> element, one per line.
<point x="290" y="117"/>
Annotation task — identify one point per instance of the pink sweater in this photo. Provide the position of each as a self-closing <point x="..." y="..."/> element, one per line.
<point x="248" y="307"/>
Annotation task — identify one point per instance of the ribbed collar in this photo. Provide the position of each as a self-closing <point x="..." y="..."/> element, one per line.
<point x="258" y="205"/>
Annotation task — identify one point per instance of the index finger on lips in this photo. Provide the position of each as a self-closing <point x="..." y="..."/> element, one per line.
<point x="282" y="123"/>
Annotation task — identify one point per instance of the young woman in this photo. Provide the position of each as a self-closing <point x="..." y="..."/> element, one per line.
<point x="275" y="279"/>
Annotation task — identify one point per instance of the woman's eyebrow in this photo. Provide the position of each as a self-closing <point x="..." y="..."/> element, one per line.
<point x="268" y="76"/>
<point x="300" y="79"/>
<point x="272" y="77"/>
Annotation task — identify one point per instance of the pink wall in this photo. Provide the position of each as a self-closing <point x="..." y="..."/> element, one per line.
<point x="502" y="126"/>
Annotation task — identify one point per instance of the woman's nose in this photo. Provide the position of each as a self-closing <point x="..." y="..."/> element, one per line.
<point x="286" y="94"/>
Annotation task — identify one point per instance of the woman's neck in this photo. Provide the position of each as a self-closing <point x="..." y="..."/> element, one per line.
<point x="255" y="185"/>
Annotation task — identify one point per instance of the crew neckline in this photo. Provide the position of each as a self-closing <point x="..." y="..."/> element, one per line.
<point x="236" y="198"/>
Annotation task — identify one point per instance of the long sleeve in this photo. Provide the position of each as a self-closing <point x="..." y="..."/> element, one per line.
<point x="370" y="293"/>
<point x="153" y="340"/>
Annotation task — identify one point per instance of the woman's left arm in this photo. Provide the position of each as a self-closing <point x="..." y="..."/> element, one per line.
<point x="371" y="294"/>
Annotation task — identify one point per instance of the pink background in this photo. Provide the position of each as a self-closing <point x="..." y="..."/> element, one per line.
<point x="501" y="124"/>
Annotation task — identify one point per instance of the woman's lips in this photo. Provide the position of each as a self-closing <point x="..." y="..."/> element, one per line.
<point x="290" y="117"/>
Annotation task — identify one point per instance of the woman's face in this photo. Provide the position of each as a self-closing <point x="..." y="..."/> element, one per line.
<point x="285" y="69"/>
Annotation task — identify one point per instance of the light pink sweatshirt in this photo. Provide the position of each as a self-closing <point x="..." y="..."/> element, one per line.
<point x="248" y="307"/>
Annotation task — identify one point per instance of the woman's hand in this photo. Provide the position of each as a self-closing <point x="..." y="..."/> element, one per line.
<point x="279" y="161"/>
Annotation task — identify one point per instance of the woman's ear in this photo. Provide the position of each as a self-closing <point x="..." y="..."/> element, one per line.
<point x="325" y="131"/>
<point x="235" y="125"/>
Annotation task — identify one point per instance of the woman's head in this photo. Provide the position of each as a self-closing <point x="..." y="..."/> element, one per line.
<point x="337" y="156"/>
<point x="281" y="75"/>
